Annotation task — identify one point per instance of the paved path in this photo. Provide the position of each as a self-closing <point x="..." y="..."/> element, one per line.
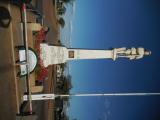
<point x="11" y="87"/>
<point x="8" y="86"/>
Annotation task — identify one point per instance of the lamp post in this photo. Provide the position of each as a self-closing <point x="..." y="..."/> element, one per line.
<point x="53" y="96"/>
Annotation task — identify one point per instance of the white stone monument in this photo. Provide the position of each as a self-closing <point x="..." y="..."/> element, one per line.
<point x="57" y="54"/>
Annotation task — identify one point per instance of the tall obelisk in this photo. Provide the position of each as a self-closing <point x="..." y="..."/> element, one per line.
<point x="57" y="54"/>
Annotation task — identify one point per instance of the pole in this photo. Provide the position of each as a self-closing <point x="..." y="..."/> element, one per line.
<point x="53" y="96"/>
<point x="25" y="35"/>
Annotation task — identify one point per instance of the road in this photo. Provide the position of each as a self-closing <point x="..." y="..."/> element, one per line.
<point x="9" y="100"/>
<point x="10" y="86"/>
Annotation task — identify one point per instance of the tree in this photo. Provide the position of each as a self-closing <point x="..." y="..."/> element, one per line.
<point x="64" y="85"/>
<point x="61" y="10"/>
<point x="63" y="66"/>
<point x="61" y="22"/>
<point x="67" y="1"/>
<point x="67" y="84"/>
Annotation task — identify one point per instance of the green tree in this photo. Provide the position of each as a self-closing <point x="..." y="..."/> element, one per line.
<point x="63" y="66"/>
<point x="62" y="10"/>
<point x="61" y="21"/>
<point x="68" y="1"/>
<point x="67" y="84"/>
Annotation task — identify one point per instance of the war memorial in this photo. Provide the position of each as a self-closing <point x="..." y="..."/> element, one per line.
<point x="34" y="62"/>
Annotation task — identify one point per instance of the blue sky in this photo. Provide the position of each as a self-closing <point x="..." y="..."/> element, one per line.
<point x="102" y="24"/>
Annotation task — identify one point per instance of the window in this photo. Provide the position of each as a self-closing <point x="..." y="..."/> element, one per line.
<point x="71" y="54"/>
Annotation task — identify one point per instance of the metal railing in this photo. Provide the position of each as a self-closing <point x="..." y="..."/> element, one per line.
<point x="25" y="39"/>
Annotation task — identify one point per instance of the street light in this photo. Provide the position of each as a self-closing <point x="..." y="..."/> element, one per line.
<point x="53" y="96"/>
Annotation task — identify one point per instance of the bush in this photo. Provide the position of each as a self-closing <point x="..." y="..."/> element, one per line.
<point x="61" y="22"/>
